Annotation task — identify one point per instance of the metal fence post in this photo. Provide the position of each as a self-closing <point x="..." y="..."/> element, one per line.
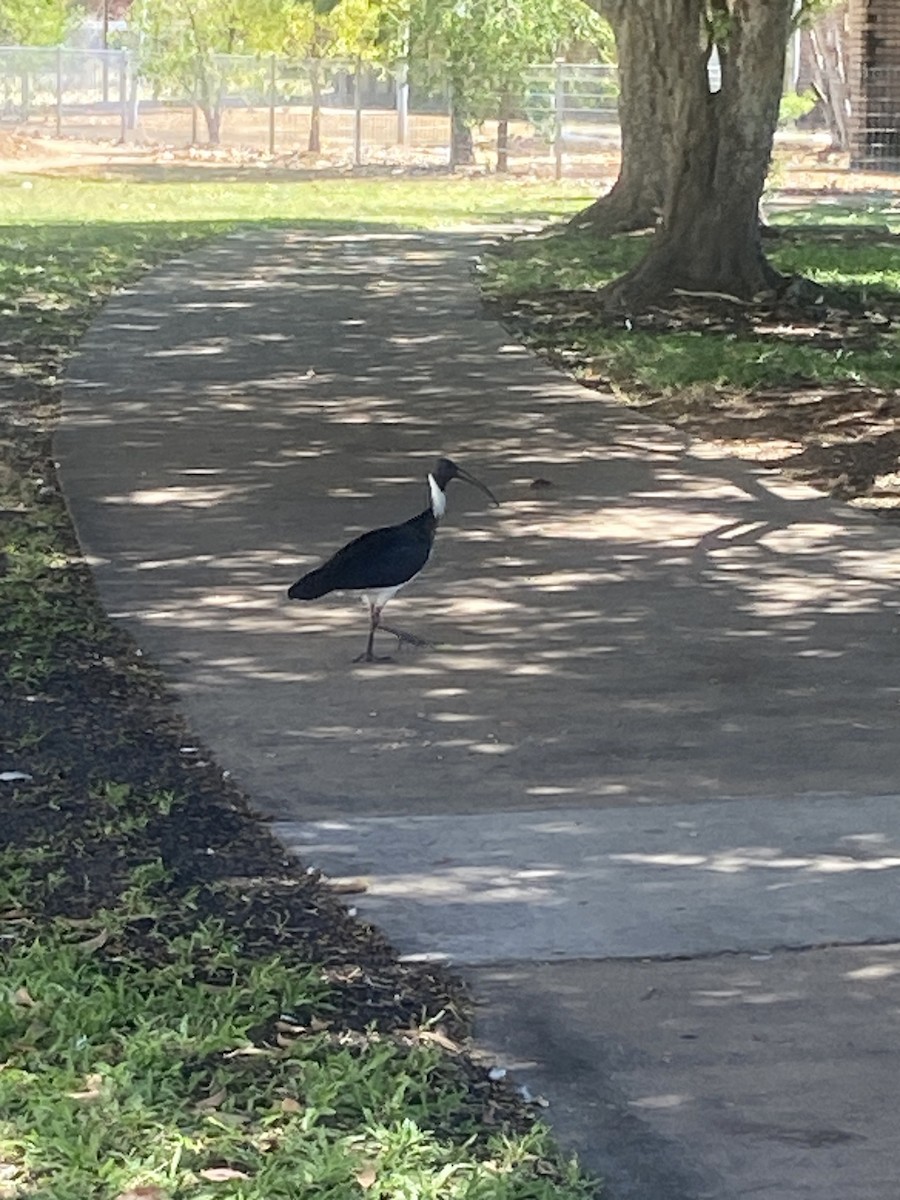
<point x="59" y="85"/>
<point x="559" y="101"/>
<point x="357" y="115"/>
<point x="123" y="97"/>
<point x="402" y="86"/>
<point x="272" y="104"/>
<point x="194" y="119"/>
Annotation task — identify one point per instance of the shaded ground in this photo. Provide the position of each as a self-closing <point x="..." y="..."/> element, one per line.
<point x="841" y="438"/>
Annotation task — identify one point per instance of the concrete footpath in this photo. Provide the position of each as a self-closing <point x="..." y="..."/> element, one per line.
<point x="641" y="788"/>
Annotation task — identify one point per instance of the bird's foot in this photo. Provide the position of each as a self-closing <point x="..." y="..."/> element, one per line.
<point x="402" y="637"/>
<point x="373" y="658"/>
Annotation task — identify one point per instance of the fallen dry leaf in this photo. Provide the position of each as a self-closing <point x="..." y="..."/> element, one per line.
<point x="290" y="1105"/>
<point x="211" y="1101"/>
<point x="247" y="1052"/>
<point x="366" y="1175"/>
<point x="439" y="1039"/>
<point x="92" y="1090"/>
<point x="144" y="1191"/>
<point x="283" y="1026"/>
<point x="23" y="996"/>
<point x="222" y="1174"/>
<point x="94" y="943"/>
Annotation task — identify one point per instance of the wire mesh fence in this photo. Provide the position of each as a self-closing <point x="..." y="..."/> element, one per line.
<point x="563" y="119"/>
<point x="337" y="110"/>
<point x="875" y="121"/>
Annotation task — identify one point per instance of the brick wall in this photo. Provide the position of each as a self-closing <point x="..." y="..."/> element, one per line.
<point x="874" y="27"/>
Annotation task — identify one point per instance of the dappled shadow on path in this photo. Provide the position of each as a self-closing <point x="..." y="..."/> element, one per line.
<point x="638" y="620"/>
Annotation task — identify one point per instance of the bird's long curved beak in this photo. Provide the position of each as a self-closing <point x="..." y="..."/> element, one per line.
<point x="461" y="474"/>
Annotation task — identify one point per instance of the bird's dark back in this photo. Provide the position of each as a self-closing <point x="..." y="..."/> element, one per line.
<point x="381" y="558"/>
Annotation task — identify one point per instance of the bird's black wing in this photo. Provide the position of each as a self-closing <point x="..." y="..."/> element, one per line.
<point x="380" y="558"/>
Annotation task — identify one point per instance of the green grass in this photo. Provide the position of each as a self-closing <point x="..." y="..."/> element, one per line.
<point x="662" y="362"/>
<point x="147" y="1045"/>
<point x="425" y="203"/>
<point x="149" y="1076"/>
<point x="524" y="281"/>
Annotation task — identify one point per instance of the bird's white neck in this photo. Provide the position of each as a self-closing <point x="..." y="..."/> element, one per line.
<point x="438" y="499"/>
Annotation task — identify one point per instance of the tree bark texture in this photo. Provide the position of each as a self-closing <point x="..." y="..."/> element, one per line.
<point x="636" y="199"/>
<point x="709" y="237"/>
<point x="213" y="118"/>
<point x="314" y="141"/>
<point x="503" y="117"/>
<point x="208" y="90"/>
<point x="827" y="40"/>
<point x="462" y="147"/>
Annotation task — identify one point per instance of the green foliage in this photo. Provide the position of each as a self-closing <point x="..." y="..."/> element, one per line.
<point x="183" y="43"/>
<point x="482" y="49"/>
<point x="376" y="31"/>
<point x="795" y="105"/>
<point x="808" y="12"/>
<point x="38" y="22"/>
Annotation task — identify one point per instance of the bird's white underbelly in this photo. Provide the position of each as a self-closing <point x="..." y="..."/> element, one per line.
<point x="378" y="597"/>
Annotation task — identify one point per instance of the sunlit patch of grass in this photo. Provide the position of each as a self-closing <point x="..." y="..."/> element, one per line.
<point x="864" y="265"/>
<point x="425" y="203"/>
<point x="193" y="1074"/>
<point x="859" y="213"/>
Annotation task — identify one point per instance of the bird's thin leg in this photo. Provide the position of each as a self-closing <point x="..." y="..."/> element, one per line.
<point x="403" y="637"/>
<point x="369" y="655"/>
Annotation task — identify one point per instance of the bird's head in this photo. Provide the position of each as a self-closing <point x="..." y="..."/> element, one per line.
<point x="446" y="469"/>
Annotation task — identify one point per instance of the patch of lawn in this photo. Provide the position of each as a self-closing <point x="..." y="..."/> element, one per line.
<point x="662" y="362"/>
<point x="546" y="285"/>
<point x="426" y="203"/>
<point x="184" y="1014"/>
<point x="870" y="266"/>
<point x="200" y="1073"/>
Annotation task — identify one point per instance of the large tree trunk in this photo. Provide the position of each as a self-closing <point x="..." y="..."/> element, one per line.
<point x="709" y="239"/>
<point x="645" y="120"/>
<point x="827" y="40"/>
